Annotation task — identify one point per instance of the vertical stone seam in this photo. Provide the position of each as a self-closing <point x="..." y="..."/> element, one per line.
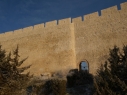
<point x="73" y="42"/>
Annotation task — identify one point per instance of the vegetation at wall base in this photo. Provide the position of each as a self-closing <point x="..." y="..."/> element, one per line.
<point x="79" y="82"/>
<point x="111" y="78"/>
<point x="56" y="87"/>
<point x="75" y="78"/>
<point x="11" y="78"/>
<point x="49" y="87"/>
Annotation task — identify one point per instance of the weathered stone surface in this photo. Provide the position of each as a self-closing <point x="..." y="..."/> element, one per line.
<point x="62" y="46"/>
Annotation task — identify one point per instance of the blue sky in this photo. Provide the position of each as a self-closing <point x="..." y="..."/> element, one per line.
<point x="16" y="14"/>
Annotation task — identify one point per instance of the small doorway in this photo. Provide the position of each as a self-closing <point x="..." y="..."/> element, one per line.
<point x="84" y="66"/>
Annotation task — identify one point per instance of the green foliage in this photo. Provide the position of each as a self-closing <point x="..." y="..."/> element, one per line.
<point x="11" y="77"/>
<point x="49" y="87"/>
<point x="118" y="63"/>
<point x="55" y="86"/>
<point x="75" y="78"/>
<point x="111" y="78"/>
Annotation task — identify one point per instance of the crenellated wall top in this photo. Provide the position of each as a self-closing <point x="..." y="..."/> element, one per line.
<point x="67" y="21"/>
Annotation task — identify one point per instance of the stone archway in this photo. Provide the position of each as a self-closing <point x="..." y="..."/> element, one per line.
<point x="84" y="66"/>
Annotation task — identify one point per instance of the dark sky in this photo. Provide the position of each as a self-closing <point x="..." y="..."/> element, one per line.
<point x="16" y="14"/>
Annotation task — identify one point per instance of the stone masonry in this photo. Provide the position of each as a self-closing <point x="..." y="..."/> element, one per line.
<point x="61" y="45"/>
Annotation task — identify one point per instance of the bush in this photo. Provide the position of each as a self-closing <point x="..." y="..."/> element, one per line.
<point x="55" y="86"/>
<point x="75" y="78"/>
<point x="49" y="87"/>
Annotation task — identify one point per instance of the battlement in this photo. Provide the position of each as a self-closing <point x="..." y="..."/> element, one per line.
<point x="91" y="16"/>
<point x="105" y="12"/>
<point x="124" y="6"/>
<point x="51" y="23"/>
<point x="109" y="11"/>
<point x="39" y="26"/>
<point x="63" y="44"/>
<point x="64" y="21"/>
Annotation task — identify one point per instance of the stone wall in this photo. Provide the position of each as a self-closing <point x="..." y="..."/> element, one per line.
<point x="96" y="34"/>
<point x="61" y="45"/>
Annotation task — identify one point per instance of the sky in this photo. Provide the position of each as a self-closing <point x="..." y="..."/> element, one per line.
<point x="17" y="14"/>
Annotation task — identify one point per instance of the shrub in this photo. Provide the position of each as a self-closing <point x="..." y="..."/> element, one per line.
<point x="55" y="86"/>
<point x="49" y="87"/>
<point x="75" y="78"/>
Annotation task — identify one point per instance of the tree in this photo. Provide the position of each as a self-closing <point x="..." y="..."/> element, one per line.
<point x="11" y="77"/>
<point x="111" y="78"/>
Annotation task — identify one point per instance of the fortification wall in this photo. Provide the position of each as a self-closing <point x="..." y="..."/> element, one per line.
<point x="63" y="44"/>
<point x="96" y="34"/>
<point x="48" y="48"/>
